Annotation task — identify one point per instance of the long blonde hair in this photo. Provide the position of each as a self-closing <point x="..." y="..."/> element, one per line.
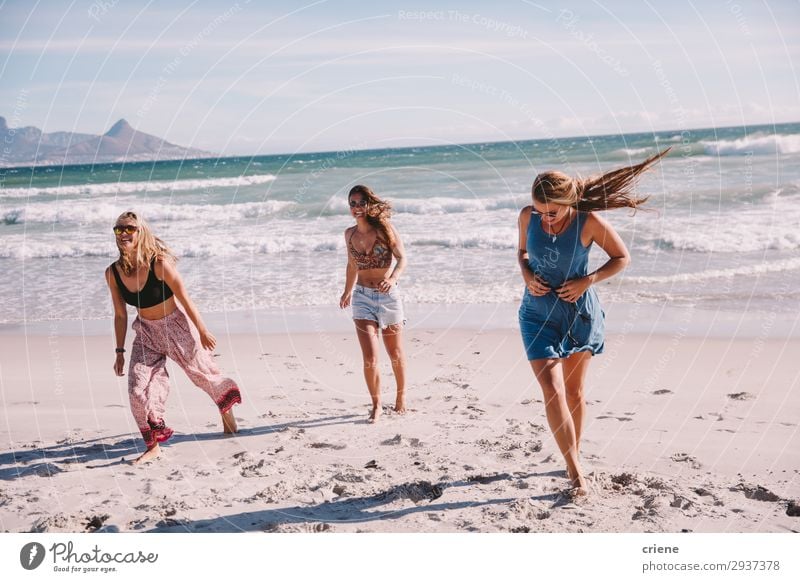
<point x="147" y="247"/>
<point x="613" y="189"/>
<point x="378" y="211"/>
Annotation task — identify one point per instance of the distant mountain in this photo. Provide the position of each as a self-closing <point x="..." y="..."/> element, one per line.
<point x="24" y="146"/>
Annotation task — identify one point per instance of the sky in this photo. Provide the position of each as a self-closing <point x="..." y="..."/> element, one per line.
<point x="283" y="77"/>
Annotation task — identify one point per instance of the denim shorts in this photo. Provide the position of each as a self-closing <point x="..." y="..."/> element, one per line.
<point x="385" y="309"/>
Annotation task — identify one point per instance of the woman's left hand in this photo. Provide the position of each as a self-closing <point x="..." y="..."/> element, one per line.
<point x="572" y="290"/>
<point x="386" y="285"/>
<point x="207" y="339"/>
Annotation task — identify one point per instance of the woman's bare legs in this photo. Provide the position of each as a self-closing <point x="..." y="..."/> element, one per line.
<point x="393" y="341"/>
<point x="367" y="331"/>
<point x="229" y="423"/>
<point x="575" y="368"/>
<point x="549" y="373"/>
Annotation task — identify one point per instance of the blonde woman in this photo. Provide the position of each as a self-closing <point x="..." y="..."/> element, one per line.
<point x="561" y="321"/>
<point x="371" y="287"/>
<point x="145" y="276"/>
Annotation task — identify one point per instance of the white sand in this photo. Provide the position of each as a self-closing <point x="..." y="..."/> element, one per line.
<point x="681" y="434"/>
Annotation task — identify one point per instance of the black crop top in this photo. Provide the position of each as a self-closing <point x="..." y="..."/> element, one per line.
<point x="153" y="292"/>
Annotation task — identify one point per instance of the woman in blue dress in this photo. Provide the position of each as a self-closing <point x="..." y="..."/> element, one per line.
<point x="560" y="317"/>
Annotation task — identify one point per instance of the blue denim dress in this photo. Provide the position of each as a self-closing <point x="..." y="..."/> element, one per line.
<point x="551" y="327"/>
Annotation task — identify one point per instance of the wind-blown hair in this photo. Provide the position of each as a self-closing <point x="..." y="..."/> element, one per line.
<point x="147" y="246"/>
<point x="378" y="211"/>
<point x="613" y="189"/>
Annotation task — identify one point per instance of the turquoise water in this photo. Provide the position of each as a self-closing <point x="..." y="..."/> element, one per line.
<point x="265" y="232"/>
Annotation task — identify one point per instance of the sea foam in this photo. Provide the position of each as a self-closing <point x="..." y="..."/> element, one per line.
<point x="756" y="144"/>
<point x="135" y="187"/>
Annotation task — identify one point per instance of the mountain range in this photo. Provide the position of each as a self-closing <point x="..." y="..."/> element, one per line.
<point x="28" y="146"/>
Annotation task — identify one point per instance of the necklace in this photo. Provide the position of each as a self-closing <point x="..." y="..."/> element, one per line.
<point x="553" y="235"/>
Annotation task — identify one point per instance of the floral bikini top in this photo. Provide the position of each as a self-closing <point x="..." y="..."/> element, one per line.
<point x="379" y="258"/>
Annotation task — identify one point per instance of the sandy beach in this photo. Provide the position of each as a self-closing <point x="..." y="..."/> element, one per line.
<point x="683" y="433"/>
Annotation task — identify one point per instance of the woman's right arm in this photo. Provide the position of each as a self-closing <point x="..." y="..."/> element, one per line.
<point x="120" y="321"/>
<point x="535" y="285"/>
<point x="351" y="275"/>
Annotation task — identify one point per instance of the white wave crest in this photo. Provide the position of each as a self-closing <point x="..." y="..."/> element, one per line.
<point x="499" y="239"/>
<point x="94" y="212"/>
<point x="731" y="240"/>
<point x="16" y="248"/>
<point x="441" y="205"/>
<point x="133" y="187"/>
<point x="634" y="151"/>
<point x="753" y="145"/>
<point x="756" y="269"/>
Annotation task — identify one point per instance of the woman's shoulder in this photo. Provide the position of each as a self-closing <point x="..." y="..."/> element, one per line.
<point x="591" y="218"/>
<point x="161" y="264"/>
<point x="525" y="213"/>
<point x="350" y="230"/>
<point x="594" y="224"/>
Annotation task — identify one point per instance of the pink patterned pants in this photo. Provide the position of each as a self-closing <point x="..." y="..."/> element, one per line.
<point x="148" y="381"/>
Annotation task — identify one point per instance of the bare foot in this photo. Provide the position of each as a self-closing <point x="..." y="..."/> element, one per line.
<point x="375" y="414"/>
<point x="400" y="407"/>
<point x="149" y="455"/>
<point x="229" y="423"/>
<point x="579" y="487"/>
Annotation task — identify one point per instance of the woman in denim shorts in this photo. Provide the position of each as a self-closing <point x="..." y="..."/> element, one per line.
<point x="371" y="287"/>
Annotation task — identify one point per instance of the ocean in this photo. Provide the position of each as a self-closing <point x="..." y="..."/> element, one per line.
<point x="721" y="233"/>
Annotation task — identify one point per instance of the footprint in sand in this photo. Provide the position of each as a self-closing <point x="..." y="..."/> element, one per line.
<point x="685" y="458"/>
<point x="255" y="470"/>
<point x="416" y="492"/>
<point x="41" y="470"/>
<point x="741" y="396"/>
<point x="679" y="502"/>
<point x="327" y="446"/>
<point x="623" y="479"/>
<point x="619" y="418"/>
<point x="95" y="522"/>
<point x="756" y="492"/>
<point x="662" y="391"/>
<point x="486" y="479"/>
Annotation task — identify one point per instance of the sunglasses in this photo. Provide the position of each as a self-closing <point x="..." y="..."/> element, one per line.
<point x="358" y="203"/>
<point x="125" y="228"/>
<point x="551" y="214"/>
